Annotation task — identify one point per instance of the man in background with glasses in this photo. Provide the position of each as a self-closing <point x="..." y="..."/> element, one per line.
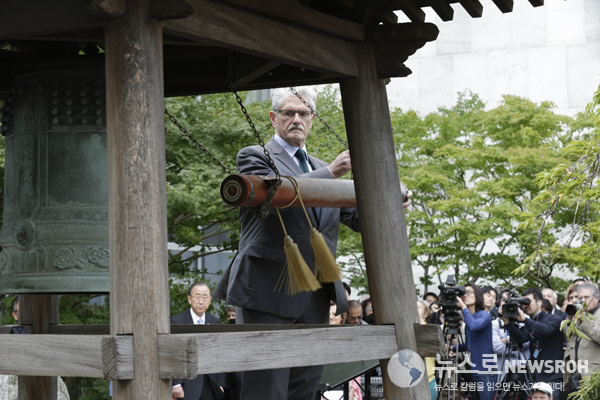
<point x="203" y="387"/>
<point x="585" y="349"/>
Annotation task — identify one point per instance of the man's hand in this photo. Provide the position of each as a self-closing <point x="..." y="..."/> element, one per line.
<point x="341" y="165"/>
<point x="521" y="316"/>
<point x="461" y="303"/>
<point x="177" y="392"/>
<point x="408" y="202"/>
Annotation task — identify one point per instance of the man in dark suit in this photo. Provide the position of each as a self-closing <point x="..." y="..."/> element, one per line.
<point x="252" y="281"/>
<point x="203" y="387"/>
<point x="542" y="331"/>
<point x="552" y="297"/>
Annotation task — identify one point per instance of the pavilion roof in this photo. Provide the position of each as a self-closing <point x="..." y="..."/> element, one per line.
<point x="252" y="44"/>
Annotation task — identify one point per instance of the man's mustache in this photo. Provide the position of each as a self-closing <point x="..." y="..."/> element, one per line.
<point x="296" y="126"/>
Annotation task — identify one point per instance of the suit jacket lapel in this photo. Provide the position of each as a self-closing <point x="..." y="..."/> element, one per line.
<point x="293" y="169"/>
<point x="283" y="158"/>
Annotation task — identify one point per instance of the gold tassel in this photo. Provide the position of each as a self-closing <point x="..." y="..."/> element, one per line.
<point x="300" y="277"/>
<point x="326" y="267"/>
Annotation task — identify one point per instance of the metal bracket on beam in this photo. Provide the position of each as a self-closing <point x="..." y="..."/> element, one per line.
<point x="117" y="357"/>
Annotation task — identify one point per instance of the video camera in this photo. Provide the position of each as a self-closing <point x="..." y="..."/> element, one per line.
<point x="510" y="309"/>
<point x="449" y="294"/>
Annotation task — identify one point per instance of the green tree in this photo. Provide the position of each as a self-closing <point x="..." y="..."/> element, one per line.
<point x="473" y="174"/>
<point x="564" y="217"/>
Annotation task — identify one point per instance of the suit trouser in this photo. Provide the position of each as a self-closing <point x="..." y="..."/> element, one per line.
<point x="298" y="383"/>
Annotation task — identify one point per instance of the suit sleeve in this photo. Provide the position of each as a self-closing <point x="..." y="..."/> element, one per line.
<point x="516" y="333"/>
<point x="549" y="326"/>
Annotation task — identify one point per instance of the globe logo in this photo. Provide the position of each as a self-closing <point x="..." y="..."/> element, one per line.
<point x="406" y="368"/>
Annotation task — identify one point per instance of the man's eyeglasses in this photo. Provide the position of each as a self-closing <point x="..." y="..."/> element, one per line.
<point x="198" y="297"/>
<point x="288" y="114"/>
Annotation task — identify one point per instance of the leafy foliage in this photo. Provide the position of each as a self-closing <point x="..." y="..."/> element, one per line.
<point x="566" y="223"/>
<point x="473" y="174"/>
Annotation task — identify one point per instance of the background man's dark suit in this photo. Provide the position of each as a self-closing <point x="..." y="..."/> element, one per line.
<point x="252" y="277"/>
<point x="204" y="387"/>
<point x="545" y="342"/>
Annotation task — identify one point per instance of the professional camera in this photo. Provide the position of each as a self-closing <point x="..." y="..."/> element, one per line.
<point x="510" y="309"/>
<point x="450" y="292"/>
<point x="572" y="309"/>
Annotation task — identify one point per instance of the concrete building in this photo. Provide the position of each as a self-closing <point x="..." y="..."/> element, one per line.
<point x="543" y="53"/>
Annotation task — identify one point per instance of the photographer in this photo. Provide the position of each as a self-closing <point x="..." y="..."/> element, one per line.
<point x="542" y="331"/>
<point x="478" y="337"/>
<point x="580" y="348"/>
<point x="509" y="354"/>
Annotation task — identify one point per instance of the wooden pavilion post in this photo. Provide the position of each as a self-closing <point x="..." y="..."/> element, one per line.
<point x="137" y="195"/>
<point x="37" y="312"/>
<point x="383" y="228"/>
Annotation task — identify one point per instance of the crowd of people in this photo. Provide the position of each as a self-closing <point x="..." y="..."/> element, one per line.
<point x="502" y="345"/>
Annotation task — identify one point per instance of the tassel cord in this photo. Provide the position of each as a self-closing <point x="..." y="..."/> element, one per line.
<point x="295" y="184"/>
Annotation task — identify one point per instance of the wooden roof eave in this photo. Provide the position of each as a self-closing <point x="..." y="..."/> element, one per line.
<point x="219" y="24"/>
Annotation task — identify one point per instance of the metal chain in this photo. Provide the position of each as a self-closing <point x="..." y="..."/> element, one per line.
<point x="255" y="131"/>
<point x="271" y="185"/>
<point x="339" y="138"/>
<point x="193" y="139"/>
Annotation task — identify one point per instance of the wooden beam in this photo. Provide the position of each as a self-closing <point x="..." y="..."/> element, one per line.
<point x="403" y="32"/>
<point x="204" y="348"/>
<point x="430" y="340"/>
<point x="245" y="72"/>
<point x="473" y="7"/>
<point x="505" y="6"/>
<point x="383" y="228"/>
<point x="254" y="350"/>
<point x="391" y="69"/>
<point x="51" y="355"/>
<point x="297" y="14"/>
<point x="38" y="312"/>
<point x="109" y="8"/>
<point x="443" y="9"/>
<point x="137" y="205"/>
<point x="409" y="7"/>
<point x="234" y="28"/>
<point x="118" y="357"/>
<point x="20" y="19"/>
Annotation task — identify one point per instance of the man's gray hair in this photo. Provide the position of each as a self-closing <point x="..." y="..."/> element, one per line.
<point x="553" y="293"/>
<point x="590" y="286"/>
<point x="306" y="92"/>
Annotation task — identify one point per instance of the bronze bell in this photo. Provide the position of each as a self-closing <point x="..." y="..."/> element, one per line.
<point x="54" y="235"/>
